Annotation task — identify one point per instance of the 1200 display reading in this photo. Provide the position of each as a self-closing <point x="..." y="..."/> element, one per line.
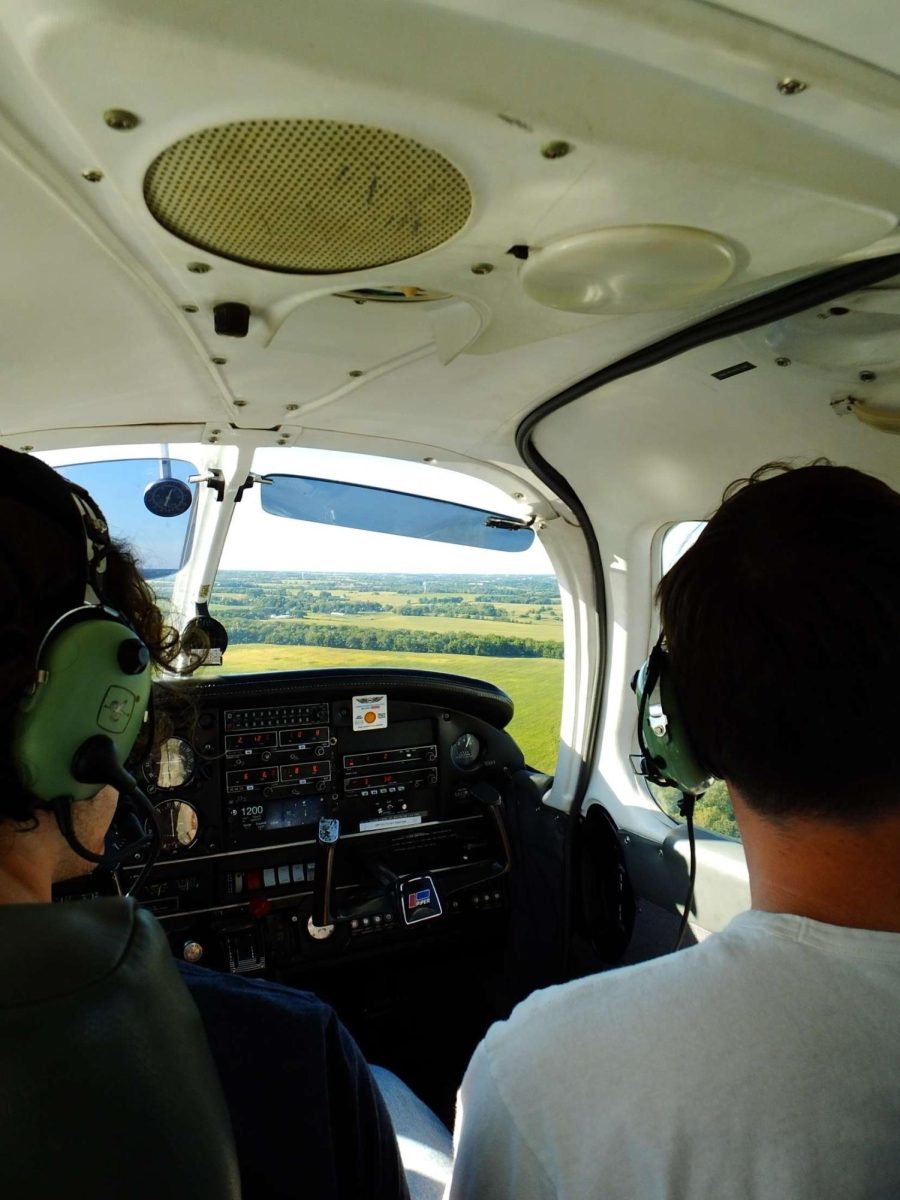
<point x="289" y="813"/>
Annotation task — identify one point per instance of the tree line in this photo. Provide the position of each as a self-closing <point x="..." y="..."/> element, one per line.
<point x="355" y="637"/>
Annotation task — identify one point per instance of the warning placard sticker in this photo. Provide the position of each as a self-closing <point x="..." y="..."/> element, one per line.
<point x="369" y="712"/>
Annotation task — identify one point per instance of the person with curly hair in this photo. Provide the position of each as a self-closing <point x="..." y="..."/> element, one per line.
<point x="323" y="1128"/>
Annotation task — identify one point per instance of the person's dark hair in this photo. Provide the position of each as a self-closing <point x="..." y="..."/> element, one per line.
<point x="42" y="574"/>
<point x="782" y="623"/>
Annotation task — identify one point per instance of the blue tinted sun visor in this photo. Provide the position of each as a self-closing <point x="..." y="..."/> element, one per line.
<point x="148" y="502"/>
<point x="357" y="506"/>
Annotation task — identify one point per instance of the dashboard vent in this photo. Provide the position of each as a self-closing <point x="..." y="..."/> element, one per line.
<point x="307" y="196"/>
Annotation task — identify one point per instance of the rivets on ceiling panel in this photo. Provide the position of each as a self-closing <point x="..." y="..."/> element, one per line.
<point x="556" y="149"/>
<point x="218" y="360"/>
<point x="355" y="374"/>
<point x="121" y="119"/>
<point x="92" y="176"/>
<point x="782" y="362"/>
<point x="198" y="268"/>
<point x="791" y="87"/>
<point x="482" y="268"/>
<point x="189" y="308"/>
<point x="240" y="403"/>
<point x="867" y="376"/>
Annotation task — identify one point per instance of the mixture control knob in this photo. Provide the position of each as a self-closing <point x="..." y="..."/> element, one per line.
<point x="192" y="952"/>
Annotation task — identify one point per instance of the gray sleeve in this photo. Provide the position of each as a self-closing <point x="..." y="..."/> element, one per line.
<point x="492" y="1160"/>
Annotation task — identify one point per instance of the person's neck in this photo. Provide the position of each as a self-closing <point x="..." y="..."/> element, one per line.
<point x="837" y="873"/>
<point x="26" y="866"/>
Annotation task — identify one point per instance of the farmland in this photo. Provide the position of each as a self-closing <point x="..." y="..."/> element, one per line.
<point x="503" y="629"/>
<point x="535" y="685"/>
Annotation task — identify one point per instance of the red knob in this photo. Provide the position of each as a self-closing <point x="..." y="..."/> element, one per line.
<point x="259" y="906"/>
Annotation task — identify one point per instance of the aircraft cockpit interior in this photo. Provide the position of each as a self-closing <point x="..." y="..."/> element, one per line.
<point x="407" y="344"/>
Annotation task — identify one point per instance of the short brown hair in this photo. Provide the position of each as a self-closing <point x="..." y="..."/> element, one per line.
<point x="782" y="624"/>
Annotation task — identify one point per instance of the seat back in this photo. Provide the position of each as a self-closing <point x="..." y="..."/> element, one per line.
<point x="107" y="1084"/>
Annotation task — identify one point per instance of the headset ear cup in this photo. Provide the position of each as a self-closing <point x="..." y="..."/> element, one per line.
<point x="663" y="734"/>
<point x="92" y="681"/>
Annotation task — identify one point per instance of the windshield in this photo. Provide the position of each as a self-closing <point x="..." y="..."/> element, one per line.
<point x="300" y="594"/>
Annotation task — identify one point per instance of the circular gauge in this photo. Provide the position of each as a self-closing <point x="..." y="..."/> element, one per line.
<point x="179" y="825"/>
<point x="465" y="751"/>
<point x="168" y="497"/>
<point x="170" y="765"/>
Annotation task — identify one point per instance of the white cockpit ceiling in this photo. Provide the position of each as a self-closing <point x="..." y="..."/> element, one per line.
<point x="668" y="113"/>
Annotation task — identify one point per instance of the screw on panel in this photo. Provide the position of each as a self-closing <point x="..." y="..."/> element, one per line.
<point x="482" y="268"/>
<point x="841" y="405"/>
<point x="867" y="376"/>
<point x="92" y="176"/>
<point x="355" y="374"/>
<point x="782" y="362"/>
<point x="518" y="495"/>
<point x="791" y="87"/>
<point x="838" y="310"/>
<point x="189" y="308"/>
<point x="429" y="460"/>
<point x="218" y="360"/>
<point x="556" y="149"/>
<point x="198" y="268"/>
<point x="26" y="449"/>
<point x="240" y="403"/>
<point x="121" y="118"/>
<point x="291" y="407"/>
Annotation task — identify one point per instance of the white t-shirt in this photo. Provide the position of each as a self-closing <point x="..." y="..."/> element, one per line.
<point x="764" y="1062"/>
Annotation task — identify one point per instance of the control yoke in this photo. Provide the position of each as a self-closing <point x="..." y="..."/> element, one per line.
<point x="417" y="895"/>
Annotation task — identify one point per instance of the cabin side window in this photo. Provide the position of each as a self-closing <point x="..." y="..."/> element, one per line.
<point x="713" y="810"/>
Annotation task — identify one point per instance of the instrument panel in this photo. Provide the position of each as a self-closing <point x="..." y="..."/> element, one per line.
<point x="399" y="760"/>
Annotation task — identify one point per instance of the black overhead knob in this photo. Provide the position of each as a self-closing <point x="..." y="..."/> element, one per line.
<point x="133" y="656"/>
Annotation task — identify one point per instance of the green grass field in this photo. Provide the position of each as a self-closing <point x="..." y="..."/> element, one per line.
<point x="534" y="684"/>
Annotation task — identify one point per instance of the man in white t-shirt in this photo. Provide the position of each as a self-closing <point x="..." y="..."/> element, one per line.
<point x="764" y="1062"/>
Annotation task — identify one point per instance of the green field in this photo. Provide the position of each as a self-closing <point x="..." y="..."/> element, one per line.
<point x="534" y="684"/>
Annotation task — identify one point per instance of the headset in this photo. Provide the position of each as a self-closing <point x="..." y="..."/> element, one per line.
<point x="668" y="757"/>
<point x="91" y="691"/>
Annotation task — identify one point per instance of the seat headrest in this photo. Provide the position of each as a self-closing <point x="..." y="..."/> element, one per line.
<point x="107" y="1085"/>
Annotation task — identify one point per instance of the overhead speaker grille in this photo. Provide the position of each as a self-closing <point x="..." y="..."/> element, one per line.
<point x="307" y="197"/>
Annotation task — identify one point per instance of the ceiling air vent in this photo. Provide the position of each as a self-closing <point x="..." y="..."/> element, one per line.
<point x="307" y="196"/>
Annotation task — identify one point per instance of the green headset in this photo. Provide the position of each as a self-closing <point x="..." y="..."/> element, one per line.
<point x="669" y="758"/>
<point x="81" y="716"/>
